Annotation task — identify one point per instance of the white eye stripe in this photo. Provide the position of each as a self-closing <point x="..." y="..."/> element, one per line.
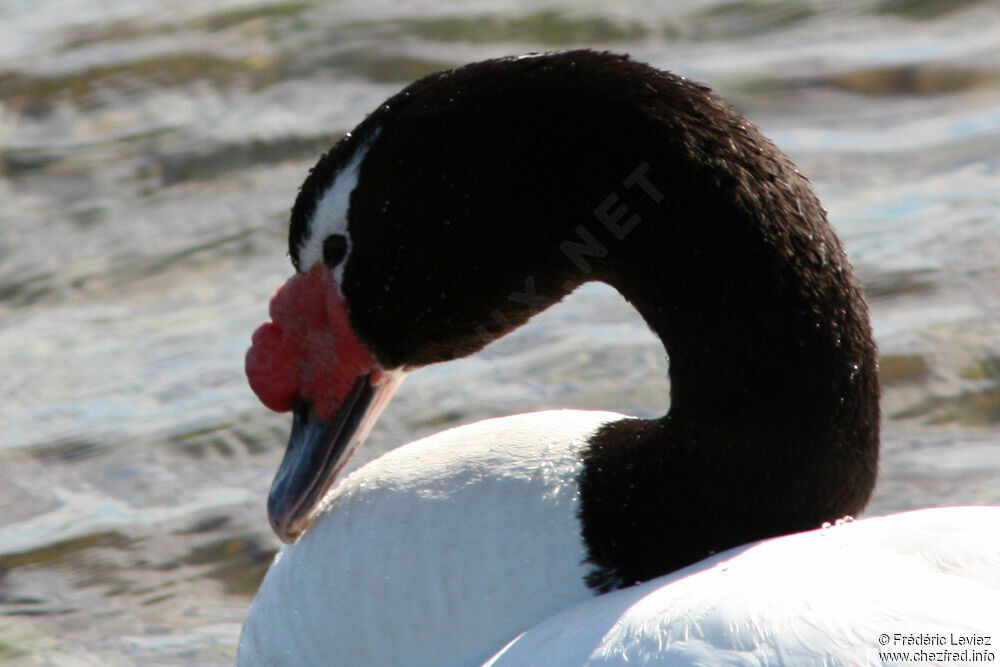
<point x="330" y="216"/>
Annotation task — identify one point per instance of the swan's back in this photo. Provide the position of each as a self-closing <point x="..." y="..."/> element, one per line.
<point x="862" y="592"/>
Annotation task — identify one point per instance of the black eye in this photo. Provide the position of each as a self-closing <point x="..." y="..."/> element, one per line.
<point x="334" y="249"/>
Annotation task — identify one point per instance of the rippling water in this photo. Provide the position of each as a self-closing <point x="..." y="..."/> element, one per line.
<point x="149" y="153"/>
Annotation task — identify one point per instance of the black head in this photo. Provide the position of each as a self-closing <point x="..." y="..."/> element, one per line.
<point x="468" y="188"/>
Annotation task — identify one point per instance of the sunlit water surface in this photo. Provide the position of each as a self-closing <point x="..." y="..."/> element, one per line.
<point x="149" y="153"/>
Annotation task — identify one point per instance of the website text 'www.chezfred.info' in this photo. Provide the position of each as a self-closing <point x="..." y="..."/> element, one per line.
<point x="934" y="648"/>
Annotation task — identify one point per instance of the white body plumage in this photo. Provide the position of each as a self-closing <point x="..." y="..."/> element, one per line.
<point x="392" y="571"/>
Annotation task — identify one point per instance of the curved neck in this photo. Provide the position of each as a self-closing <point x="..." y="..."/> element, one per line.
<point x="757" y="308"/>
<point x="725" y="251"/>
<point x="773" y="425"/>
<point x="508" y="191"/>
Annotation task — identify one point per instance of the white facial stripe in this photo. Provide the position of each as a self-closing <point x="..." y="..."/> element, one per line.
<point x="330" y="216"/>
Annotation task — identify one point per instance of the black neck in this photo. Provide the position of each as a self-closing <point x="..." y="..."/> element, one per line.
<point x="514" y="181"/>
<point x="774" y="418"/>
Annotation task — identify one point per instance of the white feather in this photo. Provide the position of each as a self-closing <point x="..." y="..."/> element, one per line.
<point x="436" y="553"/>
<point x="847" y="595"/>
<point x="443" y="551"/>
<point x="330" y="215"/>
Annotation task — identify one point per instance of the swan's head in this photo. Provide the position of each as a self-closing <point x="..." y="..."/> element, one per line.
<point x="430" y="230"/>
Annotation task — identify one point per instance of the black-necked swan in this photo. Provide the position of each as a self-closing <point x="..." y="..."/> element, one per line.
<point x="461" y="207"/>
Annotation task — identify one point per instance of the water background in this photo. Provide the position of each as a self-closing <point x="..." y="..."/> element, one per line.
<point x="150" y="152"/>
